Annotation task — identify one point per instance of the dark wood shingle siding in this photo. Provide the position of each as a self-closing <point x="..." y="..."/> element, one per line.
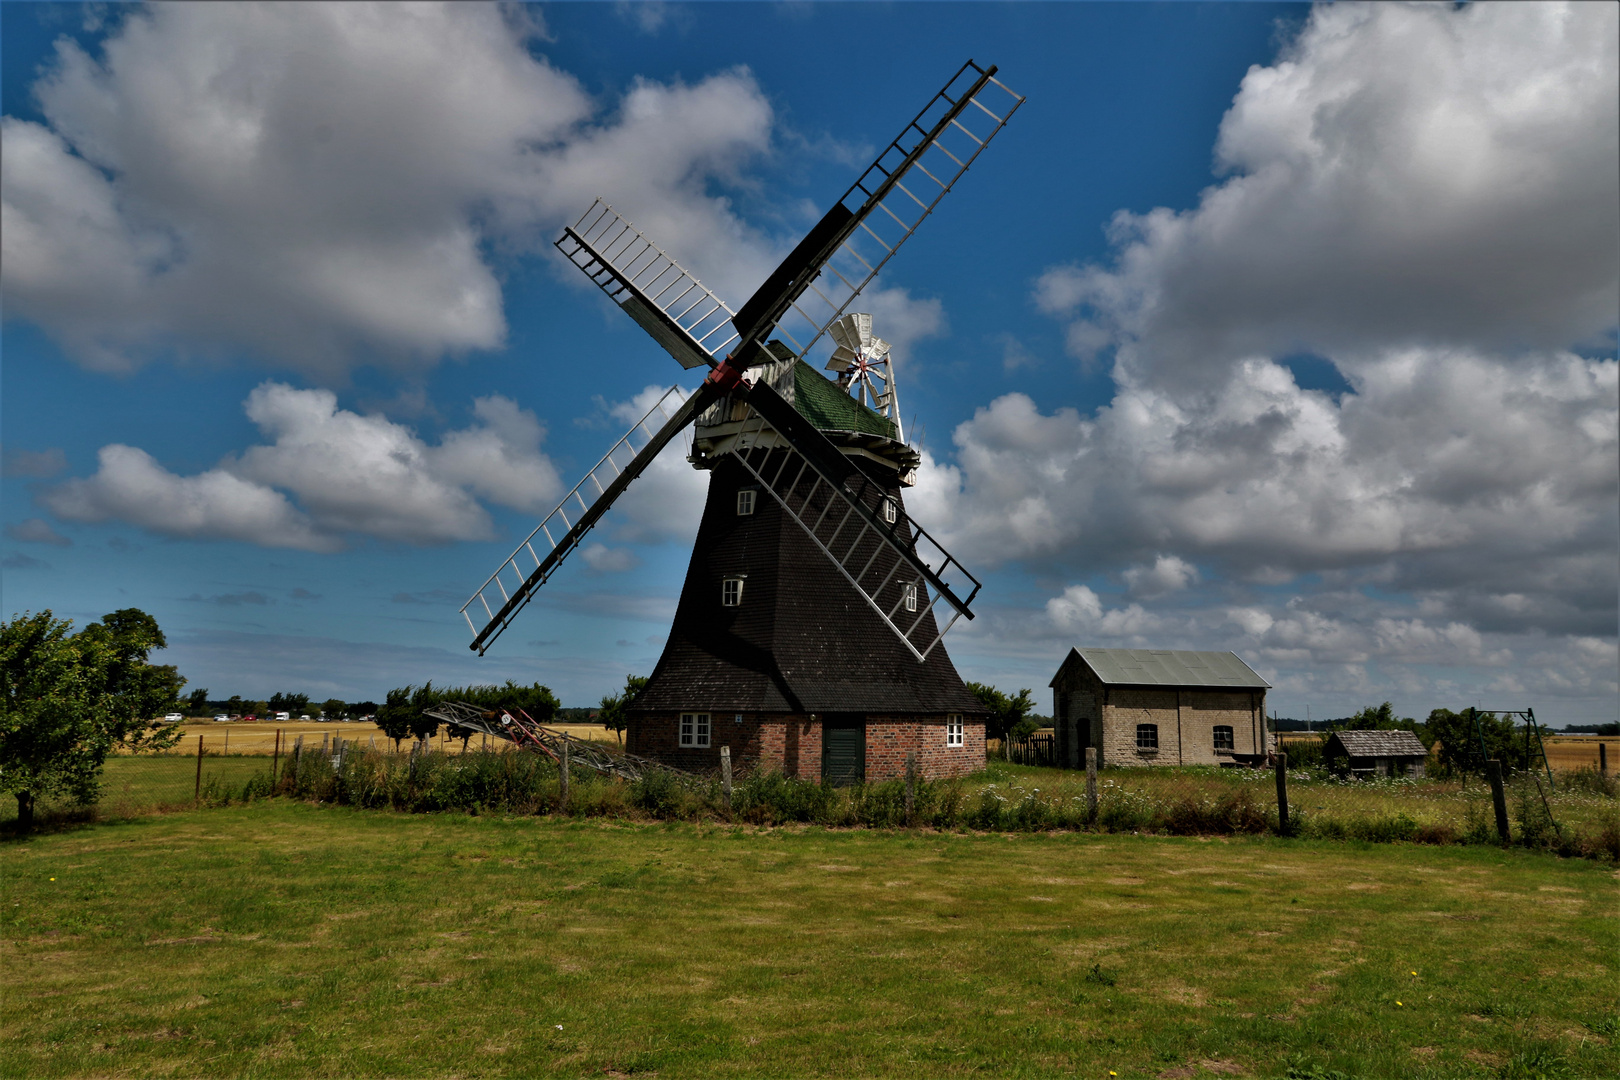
<point x="803" y="641"/>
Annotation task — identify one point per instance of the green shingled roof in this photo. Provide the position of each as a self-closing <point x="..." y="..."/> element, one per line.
<point x="828" y="406"/>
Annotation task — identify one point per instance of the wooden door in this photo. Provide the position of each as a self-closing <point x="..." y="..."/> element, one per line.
<point x="843" y="750"/>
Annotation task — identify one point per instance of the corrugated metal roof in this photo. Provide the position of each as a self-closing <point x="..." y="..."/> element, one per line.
<point x="1380" y="743"/>
<point x="1167" y="667"/>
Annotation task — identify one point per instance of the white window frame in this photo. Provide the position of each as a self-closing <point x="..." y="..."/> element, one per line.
<point x="908" y="593"/>
<point x="694" y="729"/>
<point x="954" y="735"/>
<point x="745" y="502"/>
<point x="891" y="512"/>
<point x="1231" y="737"/>
<point x="1145" y="729"/>
<point x="731" y="592"/>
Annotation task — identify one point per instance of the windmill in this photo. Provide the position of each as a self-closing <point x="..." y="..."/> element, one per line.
<point x="807" y="634"/>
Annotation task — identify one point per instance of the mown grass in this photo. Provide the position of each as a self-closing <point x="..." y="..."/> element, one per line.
<point x="283" y="939"/>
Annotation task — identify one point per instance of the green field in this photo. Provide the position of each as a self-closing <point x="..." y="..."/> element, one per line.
<point x="281" y="939"/>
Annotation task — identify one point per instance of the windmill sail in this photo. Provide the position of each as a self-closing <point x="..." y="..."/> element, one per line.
<point x="838" y="507"/>
<point x="510" y="588"/>
<point x="818" y="281"/>
<point x="690" y="322"/>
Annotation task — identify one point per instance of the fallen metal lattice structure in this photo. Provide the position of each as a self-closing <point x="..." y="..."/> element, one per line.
<point x="519" y="728"/>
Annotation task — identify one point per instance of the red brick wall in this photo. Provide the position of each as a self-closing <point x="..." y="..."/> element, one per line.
<point x="889" y="740"/>
<point x="792" y="744"/>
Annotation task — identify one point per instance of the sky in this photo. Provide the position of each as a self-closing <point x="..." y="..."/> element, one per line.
<point x="1271" y="328"/>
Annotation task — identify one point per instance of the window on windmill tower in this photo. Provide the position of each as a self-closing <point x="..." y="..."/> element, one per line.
<point x="953" y="729"/>
<point x="908" y="593"/>
<point x="891" y="512"/>
<point x="731" y="592"/>
<point x="1223" y="737"/>
<point x="745" y="502"/>
<point x="1147" y="736"/>
<point x="694" y="729"/>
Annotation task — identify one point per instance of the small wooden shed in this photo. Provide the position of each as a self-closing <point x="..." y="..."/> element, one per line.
<point x="1376" y="753"/>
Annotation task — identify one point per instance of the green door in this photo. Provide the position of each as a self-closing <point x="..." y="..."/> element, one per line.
<point x="843" y="750"/>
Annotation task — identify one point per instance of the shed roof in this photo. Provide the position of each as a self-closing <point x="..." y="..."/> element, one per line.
<point x="1380" y="743"/>
<point x="1168" y="667"/>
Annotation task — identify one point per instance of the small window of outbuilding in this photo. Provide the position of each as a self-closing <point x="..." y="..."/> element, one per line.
<point x="891" y="512"/>
<point x="731" y="592"/>
<point x="953" y="729"/>
<point x="1223" y="737"/>
<point x="694" y="729"/>
<point x="745" y="502"/>
<point x="1147" y="736"/>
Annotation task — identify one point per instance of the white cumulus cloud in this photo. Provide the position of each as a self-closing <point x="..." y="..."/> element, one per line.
<point x="325" y="474"/>
<point x="323" y="184"/>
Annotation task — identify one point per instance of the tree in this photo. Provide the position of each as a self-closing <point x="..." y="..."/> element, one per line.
<point x="1005" y="712"/>
<point x="71" y="699"/>
<point x="236" y="706"/>
<point x="334" y="708"/>
<point x="422" y="725"/>
<point x="199" y="700"/>
<point x="288" y="703"/>
<point x="615" y="714"/>
<point x="364" y="708"/>
<point x="394" y="715"/>
<point x="1459" y="741"/>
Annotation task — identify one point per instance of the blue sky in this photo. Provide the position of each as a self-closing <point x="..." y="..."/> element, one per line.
<point x="1259" y="328"/>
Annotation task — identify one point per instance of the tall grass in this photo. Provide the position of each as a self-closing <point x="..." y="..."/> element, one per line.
<point x="1004" y="799"/>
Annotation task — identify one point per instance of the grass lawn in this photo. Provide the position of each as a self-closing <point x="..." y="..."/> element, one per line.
<point x="280" y="939"/>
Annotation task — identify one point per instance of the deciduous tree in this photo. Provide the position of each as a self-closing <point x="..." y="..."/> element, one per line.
<point x="69" y="700"/>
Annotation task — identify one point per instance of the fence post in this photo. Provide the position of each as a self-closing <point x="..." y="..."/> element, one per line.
<point x="275" y="757"/>
<point x="1282" y="794"/>
<point x="1091" y="785"/>
<point x="1603" y="759"/>
<point x="725" y="774"/>
<point x="911" y="789"/>
<point x="564" y="774"/>
<point x="1493" y="773"/>
<point x="196" y="793"/>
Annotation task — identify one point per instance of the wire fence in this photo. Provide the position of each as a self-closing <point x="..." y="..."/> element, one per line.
<point x="1578" y="813"/>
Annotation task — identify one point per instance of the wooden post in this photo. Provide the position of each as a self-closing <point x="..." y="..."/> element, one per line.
<point x="1603" y="759"/>
<point x="1282" y="793"/>
<point x="275" y="756"/>
<point x="563" y="800"/>
<point x="725" y="774"/>
<point x="911" y="790"/>
<point x="1091" y="785"/>
<point x="227" y="742"/>
<point x="1493" y="773"/>
<point x="196" y="793"/>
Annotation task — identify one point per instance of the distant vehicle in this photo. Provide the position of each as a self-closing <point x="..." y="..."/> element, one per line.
<point x="344" y="720"/>
<point x="367" y="719"/>
<point x="305" y="717"/>
<point x="222" y="719"/>
<point x="282" y="718"/>
<point x="250" y="719"/>
<point x="174" y="718"/>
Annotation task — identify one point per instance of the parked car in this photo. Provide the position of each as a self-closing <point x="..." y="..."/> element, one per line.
<point x="174" y="718"/>
<point x="222" y="719"/>
<point x="250" y="719"/>
<point x="282" y="718"/>
<point x="305" y="718"/>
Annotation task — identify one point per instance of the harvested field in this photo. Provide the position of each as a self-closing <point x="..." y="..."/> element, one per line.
<point x="260" y="738"/>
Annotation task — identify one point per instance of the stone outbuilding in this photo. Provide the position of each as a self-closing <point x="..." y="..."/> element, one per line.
<point x="1376" y="753"/>
<point x="1159" y="707"/>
